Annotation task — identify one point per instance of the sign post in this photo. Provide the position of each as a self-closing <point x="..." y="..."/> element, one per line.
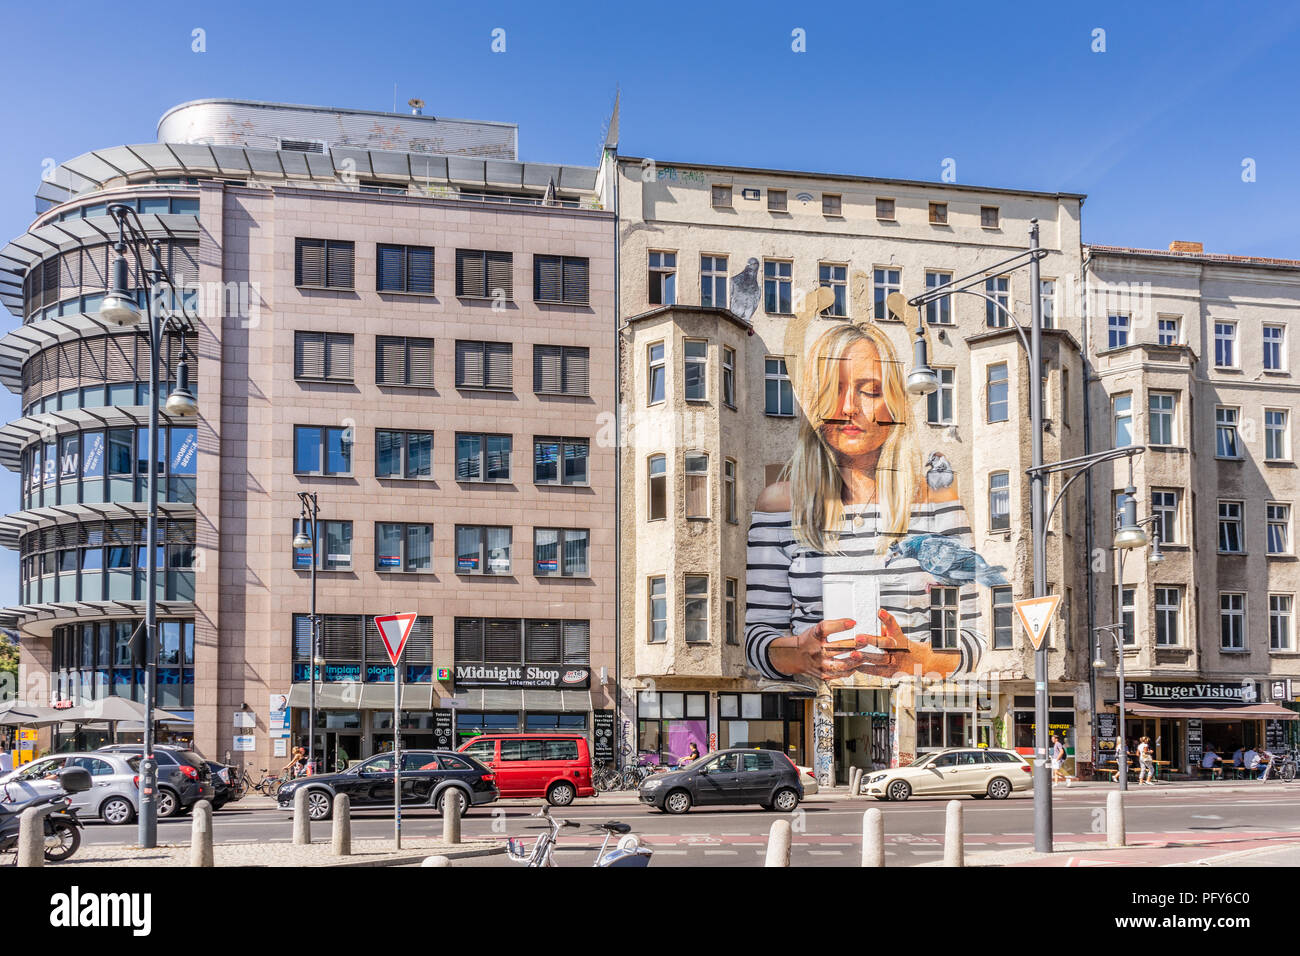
<point x="394" y="629"/>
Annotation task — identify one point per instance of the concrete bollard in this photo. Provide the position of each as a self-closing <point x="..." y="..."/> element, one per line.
<point x="954" y="836"/>
<point x="873" y="838"/>
<point x="341" y="836"/>
<point x="31" y="837"/>
<point x="436" y="861"/>
<point x="1115" y="818"/>
<point x="855" y="782"/>
<point x="451" y="816"/>
<point x="301" y="822"/>
<point x="201" y="834"/>
<point x="778" y="844"/>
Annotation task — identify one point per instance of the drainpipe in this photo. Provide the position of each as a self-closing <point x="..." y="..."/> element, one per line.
<point x="1087" y="491"/>
<point x="612" y="155"/>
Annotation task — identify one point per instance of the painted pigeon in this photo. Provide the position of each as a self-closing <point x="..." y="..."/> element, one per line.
<point x="947" y="560"/>
<point x="745" y="291"/>
<point x="938" y="472"/>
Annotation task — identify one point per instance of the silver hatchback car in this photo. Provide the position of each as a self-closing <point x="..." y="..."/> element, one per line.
<point x="114" y="793"/>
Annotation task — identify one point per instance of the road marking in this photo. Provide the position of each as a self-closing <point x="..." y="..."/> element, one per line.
<point x="721" y="852"/>
<point x="825" y="852"/>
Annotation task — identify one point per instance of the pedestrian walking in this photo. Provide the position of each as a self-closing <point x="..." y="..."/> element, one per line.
<point x="1146" y="760"/>
<point x="1058" y="760"/>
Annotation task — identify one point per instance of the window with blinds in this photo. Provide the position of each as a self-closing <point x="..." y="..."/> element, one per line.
<point x="561" y="370"/>
<point x="323" y="263"/>
<point x="512" y="641"/>
<point x="402" y="360"/>
<point x="404" y="269"/>
<point x="561" y="279"/>
<point x="484" y="365"/>
<point x="322" y="355"/>
<point x="482" y="274"/>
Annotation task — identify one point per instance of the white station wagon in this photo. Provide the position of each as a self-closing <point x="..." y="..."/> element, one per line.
<point x="977" y="772"/>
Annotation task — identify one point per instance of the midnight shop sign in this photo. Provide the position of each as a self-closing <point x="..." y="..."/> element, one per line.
<point x="553" y="676"/>
<point x="1207" y="692"/>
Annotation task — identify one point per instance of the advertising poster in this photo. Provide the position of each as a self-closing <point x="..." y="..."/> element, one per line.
<point x="279" y="713"/>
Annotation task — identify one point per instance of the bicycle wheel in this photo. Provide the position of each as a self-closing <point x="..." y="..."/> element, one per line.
<point x="630" y="779"/>
<point x="1287" y="771"/>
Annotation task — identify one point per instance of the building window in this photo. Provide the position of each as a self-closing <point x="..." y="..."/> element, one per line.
<point x="695" y="370"/>
<point x="560" y="552"/>
<point x="989" y="217"/>
<point x="481" y="457"/>
<point x="485" y="365"/>
<point x="831" y="205"/>
<point x="996" y="394"/>
<point x="999" y="501"/>
<point x="835" y="278"/>
<point x="403" y="361"/>
<point x="1117" y="331"/>
<point x="776" y="286"/>
<point x="1279" y="528"/>
<point x="663" y="278"/>
<point x="322" y="356"/>
<point x="1275" y="348"/>
<point x="713" y="281"/>
<point x="1231" y="537"/>
<point x="564" y="279"/>
<point x="658" y="610"/>
<point x="1225" y="433"/>
<point x="885" y="209"/>
<point x="939" y="213"/>
<point x="778" y="391"/>
<point x="1279" y="622"/>
<point x="1225" y="344"/>
<point x="483" y="274"/>
<point x="732" y="635"/>
<point x="1047" y="300"/>
<point x="482" y="549"/>
<point x="1232" y="621"/>
<point x="333" y="545"/>
<point x="560" y="461"/>
<point x="1160" y="422"/>
<point x="404" y="269"/>
<point x="943" y="618"/>
<point x="323" y="264"/>
<point x="1002" y="625"/>
<point x="729" y="490"/>
<point x="997" y="288"/>
<point x="403" y="547"/>
<point x="776" y="200"/>
<point x="658" y="474"/>
<point x="1276" y="446"/>
<point x="884" y="282"/>
<point x="721" y="197"/>
<point x="1164" y="505"/>
<point x="561" y="370"/>
<point x="504" y="641"/>
<point x="401" y="454"/>
<point x="321" y="451"/>
<point x="655" y="382"/>
<point x="938" y="312"/>
<point x="697" y="486"/>
<point x="1169" y="602"/>
<point x="697" y="608"/>
<point x="729" y="377"/>
<point x="939" y="403"/>
<point x="1128" y="615"/>
<point x="1167" y="331"/>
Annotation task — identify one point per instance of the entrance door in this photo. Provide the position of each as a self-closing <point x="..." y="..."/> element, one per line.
<point x="340" y="749"/>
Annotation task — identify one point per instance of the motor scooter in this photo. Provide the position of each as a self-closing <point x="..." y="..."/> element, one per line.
<point x="62" y="826"/>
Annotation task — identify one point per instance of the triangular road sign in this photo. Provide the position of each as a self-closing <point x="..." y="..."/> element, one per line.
<point x="1036" y="615"/>
<point x="394" y="629"/>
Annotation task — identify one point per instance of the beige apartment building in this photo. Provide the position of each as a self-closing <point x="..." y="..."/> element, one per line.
<point x="395" y="315"/>
<point x="727" y="275"/>
<point x="1191" y="355"/>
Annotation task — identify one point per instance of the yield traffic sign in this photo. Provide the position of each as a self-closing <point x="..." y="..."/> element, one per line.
<point x="394" y="629"/>
<point x="1036" y="615"/>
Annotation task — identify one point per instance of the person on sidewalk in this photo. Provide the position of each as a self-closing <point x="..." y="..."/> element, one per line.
<point x="1213" y="763"/>
<point x="1147" y="762"/>
<point x="1058" y="760"/>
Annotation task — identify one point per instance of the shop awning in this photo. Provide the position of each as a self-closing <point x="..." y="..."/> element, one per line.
<point x="566" y="700"/>
<point x="1236" y="712"/>
<point x="357" y="696"/>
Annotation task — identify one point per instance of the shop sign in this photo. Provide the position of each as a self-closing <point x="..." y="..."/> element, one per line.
<point x="1209" y="692"/>
<point x="1274" y="736"/>
<point x="1107" y="726"/>
<point x="555" y="676"/>
<point x="1195" y="742"/>
<point x="442" y="729"/>
<point x="602" y="736"/>
<point x="245" y="743"/>
<point x="444" y="673"/>
<point x="1280" y="689"/>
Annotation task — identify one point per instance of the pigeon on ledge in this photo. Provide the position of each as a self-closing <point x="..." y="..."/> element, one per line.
<point x="745" y="292"/>
<point x="946" y="560"/>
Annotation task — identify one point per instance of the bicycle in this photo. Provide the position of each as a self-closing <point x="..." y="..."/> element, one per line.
<point x="628" y="852"/>
<point x="268" y="784"/>
<point x="606" y="778"/>
<point x="1283" y="766"/>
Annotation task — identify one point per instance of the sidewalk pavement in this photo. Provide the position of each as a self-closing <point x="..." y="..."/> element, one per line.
<point x="319" y="853"/>
<point x="1279" y="848"/>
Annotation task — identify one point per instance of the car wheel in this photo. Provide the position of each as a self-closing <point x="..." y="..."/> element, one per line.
<point x="785" y="800"/>
<point x="168" y="804"/>
<point x="62" y="843"/>
<point x="679" y="801"/>
<point x="319" y="805"/>
<point x="999" y="788"/>
<point x="457" y="794"/>
<point x="117" y="811"/>
<point x="899" y="790"/>
<point x="561" y="794"/>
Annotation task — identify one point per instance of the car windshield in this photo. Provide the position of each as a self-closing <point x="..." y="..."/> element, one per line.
<point x="922" y="760"/>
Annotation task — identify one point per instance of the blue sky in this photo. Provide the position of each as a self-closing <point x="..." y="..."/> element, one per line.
<point x="1154" y="129"/>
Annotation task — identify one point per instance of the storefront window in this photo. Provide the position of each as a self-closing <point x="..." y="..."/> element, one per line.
<point x="568" y="722"/>
<point x="765" y="721"/>
<point x="668" y="723"/>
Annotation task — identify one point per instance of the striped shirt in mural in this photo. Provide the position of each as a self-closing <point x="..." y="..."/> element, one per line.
<point x="783" y="580"/>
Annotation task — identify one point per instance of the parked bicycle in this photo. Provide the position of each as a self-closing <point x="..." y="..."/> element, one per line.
<point x="1283" y="766"/>
<point x="627" y="852"/>
<point x="606" y="778"/>
<point x="268" y="784"/>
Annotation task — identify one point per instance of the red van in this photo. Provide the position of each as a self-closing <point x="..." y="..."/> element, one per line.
<point x="554" y="766"/>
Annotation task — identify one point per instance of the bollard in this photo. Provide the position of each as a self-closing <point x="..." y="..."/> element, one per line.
<point x="1115" y="818"/>
<point x="451" y="816"/>
<point x="954" y="837"/>
<point x="301" y="822"/>
<point x="855" y="781"/>
<point x="778" y="844"/>
<point x="31" y="837"/>
<point x="341" y="836"/>
<point x="201" y="834"/>
<point x="873" y="838"/>
<point x="436" y="861"/>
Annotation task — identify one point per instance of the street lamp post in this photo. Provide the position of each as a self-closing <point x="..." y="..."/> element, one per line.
<point x="121" y="307"/>
<point x="309" y="519"/>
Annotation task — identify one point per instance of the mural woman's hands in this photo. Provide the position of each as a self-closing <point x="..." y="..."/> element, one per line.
<point x="902" y="655"/>
<point x="815" y="651"/>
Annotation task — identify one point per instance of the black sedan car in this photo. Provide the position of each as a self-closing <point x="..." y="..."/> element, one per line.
<point x="429" y="778"/>
<point x="764" y="777"/>
<point x="224" y="789"/>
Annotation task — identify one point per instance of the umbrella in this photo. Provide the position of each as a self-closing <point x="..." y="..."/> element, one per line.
<point x="112" y="709"/>
<point x="15" y="713"/>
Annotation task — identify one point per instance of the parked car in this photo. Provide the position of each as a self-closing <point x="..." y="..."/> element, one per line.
<point x="977" y="772"/>
<point x="808" y="779"/>
<point x="429" y="778"/>
<point x="183" y="776"/>
<point x="113" y="795"/>
<point x="554" y="766"/>
<point x="763" y="777"/>
<point x="224" y="789"/>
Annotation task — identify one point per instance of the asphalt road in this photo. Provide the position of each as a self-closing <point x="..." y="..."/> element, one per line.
<point x="826" y="832"/>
